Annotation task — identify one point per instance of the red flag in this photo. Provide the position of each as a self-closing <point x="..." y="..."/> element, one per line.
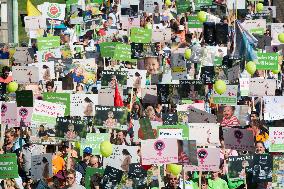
<point x="118" y="102"/>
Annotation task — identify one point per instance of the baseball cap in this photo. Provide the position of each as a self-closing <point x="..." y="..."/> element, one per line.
<point x="88" y="150"/>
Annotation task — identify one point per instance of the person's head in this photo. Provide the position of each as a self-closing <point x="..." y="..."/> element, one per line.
<point x="49" y="86"/>
<point x="79" y="71"/>
<point x="45" y="67"/>
<point x="10" y="184"/>
<point x="228" y="112"/>
<point x="94" y="162"/>
<point x="254" y="115"/>
<point x="125" y="152"/>
<point x="70" y="177"/>
<point x="9" y="136"/>
<point x="152" y="65"/>
<point x="110" y="114"/>
<point x="121" y="135"/>
<point x="259" y="147"/>
<point x="5" y="72"/>
<point x="204" y="183"/>
<point x="41" y="128"/>
<point x="184" y="118"/>
<point x="71" y="127"/>
<point x="255" y="125"/>
<point x="137" y="74"/>
<point x="150" y="112"/>
<point x="79" y="87"/>
<point x="89" y="107"/>
<point x="109" y="21"/>
<point x="215" y="175"/>
<point x="87" y="154"/>
<point x="173" y="180"/>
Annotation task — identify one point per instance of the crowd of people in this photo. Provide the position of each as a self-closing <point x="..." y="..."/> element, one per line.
<point x="172" y="60"/>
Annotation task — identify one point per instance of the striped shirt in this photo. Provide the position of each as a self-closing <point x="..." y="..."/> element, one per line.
<point x="232" y="122"/>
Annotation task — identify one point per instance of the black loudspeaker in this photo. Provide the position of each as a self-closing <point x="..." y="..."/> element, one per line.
<point x="209" y="33"/>
<point x="222" y="33"/>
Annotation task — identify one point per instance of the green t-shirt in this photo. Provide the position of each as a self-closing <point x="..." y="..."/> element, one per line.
<point x="217" y="184"/>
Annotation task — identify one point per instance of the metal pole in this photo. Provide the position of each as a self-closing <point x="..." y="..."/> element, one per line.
<point x="15" y="21"/>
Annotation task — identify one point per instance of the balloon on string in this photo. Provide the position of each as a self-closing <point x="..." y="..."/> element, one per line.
<point x="174" y="169"/>
<point x="106" y="148"/>
<point x="168" y="3"/>
<point x="281" y="37"/>
<point x="77" y="145"/>
<point x="201" y="16"/>
<point x="251" y="67"/>
<point x="259" y="7"/>
<point x="277" y="71"/>
<point x="187" y="54"/>
<point x="220" y="86"/>
<point x="12" y="87"/>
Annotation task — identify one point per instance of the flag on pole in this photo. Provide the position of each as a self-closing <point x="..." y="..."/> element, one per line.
<point x="32" y="10"/>
<point x="118" y="102"/>
<point x="245" y="43"/>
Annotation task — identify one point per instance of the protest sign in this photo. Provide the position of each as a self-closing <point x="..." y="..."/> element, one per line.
<point x="24" y="98"/>
<point x="267" y="61"/>
<point x="140" y="35"/>
<point x="51" y="42"/>
<point x="229" y="97"/>
<point x="8" y="166"/>
<point x="277" y="172"/>
<point x="93" y="174"/>
<point x="93" y="140"/>
<point x="41" y="166"/>
<point x="262" y="168"/>
<point x="238" y="139"/>
<point x="273" y="107"/>
<point x="209" y="131"/>
<point x="239" y="165"/>
<point x="47" y="112"/>
<point x="111" y="177"/>
<point x="59" y="98"/>
<point x="160" y="151"/>
<point x="276" y="138"/>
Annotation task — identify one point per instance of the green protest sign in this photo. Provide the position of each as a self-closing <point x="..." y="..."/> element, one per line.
<point x="8" y="166"/>
<point x="193" y="22"/>
<point x="107" y="49"/>
<point x="218" y="61"/>
<point x="199" y="3"/>
<point x="259" y="31"/>
<point x="50" y="42"/>
<point x="183" y="6"/>
<point x="225" y="100"/>
<point x="122" y="52"/>
<point x="185" y="129"/>
<point x="90" y="171"/>
<point x="24" y="98"/>
<point x="267" y="61"/>
<point x="141" y="35"/>
<point x="59" y="98"/>
<point x="93" y="140"/>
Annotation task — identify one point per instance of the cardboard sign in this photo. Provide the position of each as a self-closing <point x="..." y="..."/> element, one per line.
<point x="244" y="86"/>
<point x="170" y="133"/>
<point x="25" y="74"/>
<point x="59" y="98"/>
<point x="257" y="26"/>
<point x="208" y="160"/>
<point x="112" y="78"/>
<point x="119" y="159"/>
<point x="72" y="128"/>
<point x="23" y="55"/>
<point x="238" y="165"/>
<point x="47" y="112"/>
<point x="34" y="22"/>
<point x="183" y="6"/>
<point x="138" y="174"/>
<point x="122" y="52"/>
<point x="50" y="42"/>
<point x="198" y="116"/>
<point x="277" y="172"/>
<point x="112" y="177"/>
<point x="262" y="168"/>
<point x="83" y="104"/>
<point x="107" y="49"/>
<point x="8" y="114"/>
<point x="41" y="166"/>
<point x="208" y="131"/>
<point x="24" y="116"/>
<point x="93" y="174"/>
<point x="276" y="138"/>
<point x="238" y="139"/>
<point x="93" y="140"/>
<point x="140" y="35"/>
<point x="110" y="117"/>
<point x="8" y="166"/>
<point x="24" y="98"/>
<point x="273" y="106"/>
<point x="149" y="94"/>
<point x="228" y="98"/>
<point x="262" y="87"/>
<point x="159" y="151"/>
<point x="53" y="10"/>
<point x="193" y="22"/>
<point x="267" y="61"/>
<point x="178" y="66"/>
<point x="276" y="29"/>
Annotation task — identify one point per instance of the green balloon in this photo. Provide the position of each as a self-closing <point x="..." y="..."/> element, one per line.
<point x="168" y="2"/>
<point x="277" y="71"/>
<point x="187" y="54"/>
<point x="220" y="87"/>
<point x="251" y="67"/>
<point x="259" y="7"/>
<point x="12" y="87"/>
<point x="201" y="16"/>
<point x="174" y="169"/>
<point x="106" y="148"/>
<point x="281" y="37"/>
